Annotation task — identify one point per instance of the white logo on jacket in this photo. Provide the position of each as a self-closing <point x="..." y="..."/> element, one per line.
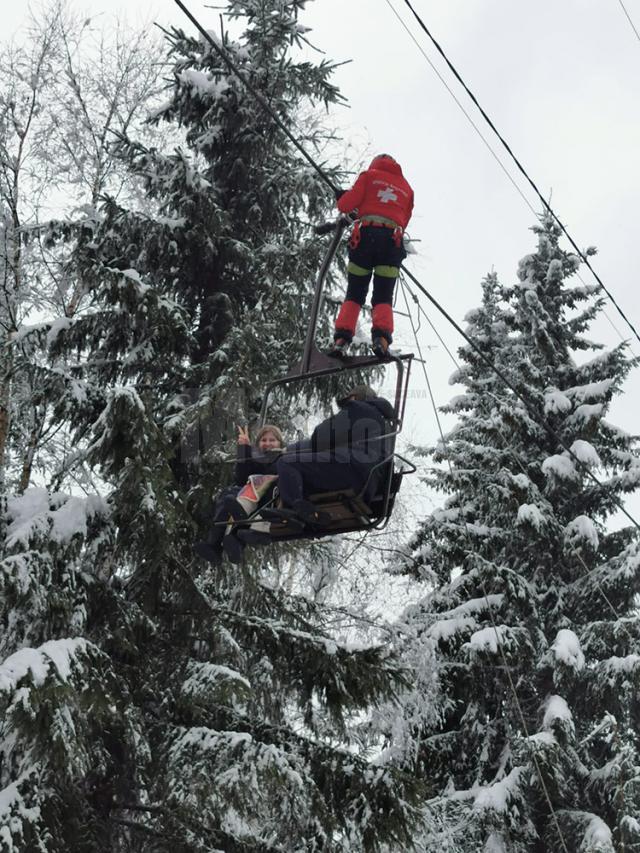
<point x="387" y="194"/>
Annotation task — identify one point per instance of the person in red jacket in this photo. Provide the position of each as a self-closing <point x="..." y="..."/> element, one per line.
<point x="383" y="202"/>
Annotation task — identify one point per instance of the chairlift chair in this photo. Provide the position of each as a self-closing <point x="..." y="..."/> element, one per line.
<point x="348" y="509"/>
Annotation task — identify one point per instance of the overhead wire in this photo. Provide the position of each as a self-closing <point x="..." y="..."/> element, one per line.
<point x="605" y="314"/>
<point x="224" y="54"/>
<point x="523" y="721"/>
<point x="463" y="110"/>
<point x="422" y="361"/>
<point x="582" y="255"/>
<point x="633" y="26"/>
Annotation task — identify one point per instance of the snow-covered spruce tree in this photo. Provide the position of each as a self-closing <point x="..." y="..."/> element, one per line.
<point x="221" y="721"/>
<point x="534" y="612"/>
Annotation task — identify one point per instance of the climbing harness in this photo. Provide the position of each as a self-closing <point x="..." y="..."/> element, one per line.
<point x="376" y="222"/>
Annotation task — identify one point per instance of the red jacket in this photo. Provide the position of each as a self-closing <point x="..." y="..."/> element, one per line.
<point x="380" y="191"/>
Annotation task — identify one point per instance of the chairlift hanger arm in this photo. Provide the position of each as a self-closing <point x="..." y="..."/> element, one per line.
<point x="322" y="365"/>
<point x="338" y="228"/>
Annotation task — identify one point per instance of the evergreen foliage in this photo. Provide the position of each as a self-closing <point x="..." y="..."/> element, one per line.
<point x="534" y="611"/>
<point x="151" y="703"/>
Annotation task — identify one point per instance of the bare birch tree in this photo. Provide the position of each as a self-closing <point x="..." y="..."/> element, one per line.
<point x="68" y="87"/>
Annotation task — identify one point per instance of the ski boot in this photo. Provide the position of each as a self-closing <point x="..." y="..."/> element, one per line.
<point x="339" y="348"/>
<point x="380" y="345"/>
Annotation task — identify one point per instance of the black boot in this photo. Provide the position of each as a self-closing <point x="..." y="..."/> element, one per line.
<point x="339" y="348"/>
<point x="211" y="548"/>
<point x="380" y="345"/>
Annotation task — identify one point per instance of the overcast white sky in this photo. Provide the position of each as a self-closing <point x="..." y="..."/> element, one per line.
<point x="561" y="81"/>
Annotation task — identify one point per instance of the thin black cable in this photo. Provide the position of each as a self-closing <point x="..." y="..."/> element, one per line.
<point x="484" y="140"/>
<point x="609" y="320"/>
<point x="464" y="111"/>
<point x="527" y="404"/>
<point x="633" y="26"/>
<point x="421" y="311"/>
<point x="545" y="203"/>
<point x="403" y="287"/>
<point x="523" y="721"/>
<point x="256" y="94"/>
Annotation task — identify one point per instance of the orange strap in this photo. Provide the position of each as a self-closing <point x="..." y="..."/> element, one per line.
<point x="354" y="240"/>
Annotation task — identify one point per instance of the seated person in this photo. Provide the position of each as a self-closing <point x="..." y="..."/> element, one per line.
<point x="250" y="461"/>
<point x="341" y="454"/>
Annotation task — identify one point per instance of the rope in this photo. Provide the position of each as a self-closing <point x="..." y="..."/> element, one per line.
<point x="422" y="362"/>
<point x="224" y="54"/>
<point x="521" y="168"/>
<point x="523" y="722"/>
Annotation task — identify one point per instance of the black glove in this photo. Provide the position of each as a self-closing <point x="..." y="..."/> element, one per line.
<point x="339" y="193"/>
<point x="324" y="228"/>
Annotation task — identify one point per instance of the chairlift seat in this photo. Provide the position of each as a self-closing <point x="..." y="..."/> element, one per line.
<point x="348" y="510"/>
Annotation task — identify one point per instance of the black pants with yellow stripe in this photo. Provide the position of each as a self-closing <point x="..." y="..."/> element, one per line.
<point x="375" y="255"/>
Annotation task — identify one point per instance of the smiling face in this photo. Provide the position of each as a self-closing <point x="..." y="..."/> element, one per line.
<point x="269" y="441"/>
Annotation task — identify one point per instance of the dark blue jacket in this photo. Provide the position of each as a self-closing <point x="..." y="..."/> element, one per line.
<point x="251" y="461"/>
<point x="358" y="426"/>
<point x="354" y="435"/>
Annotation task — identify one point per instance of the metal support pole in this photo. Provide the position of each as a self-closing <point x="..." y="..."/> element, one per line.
<point x="341" y="224"/>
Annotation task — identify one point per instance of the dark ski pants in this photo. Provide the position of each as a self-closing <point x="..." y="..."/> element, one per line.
<point x="376" y="254"/>
<point x="220" y="514"/>
<point x="301" y="474"/>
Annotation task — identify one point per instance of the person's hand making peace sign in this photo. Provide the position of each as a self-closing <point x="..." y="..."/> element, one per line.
<point x="243" y="435"/>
